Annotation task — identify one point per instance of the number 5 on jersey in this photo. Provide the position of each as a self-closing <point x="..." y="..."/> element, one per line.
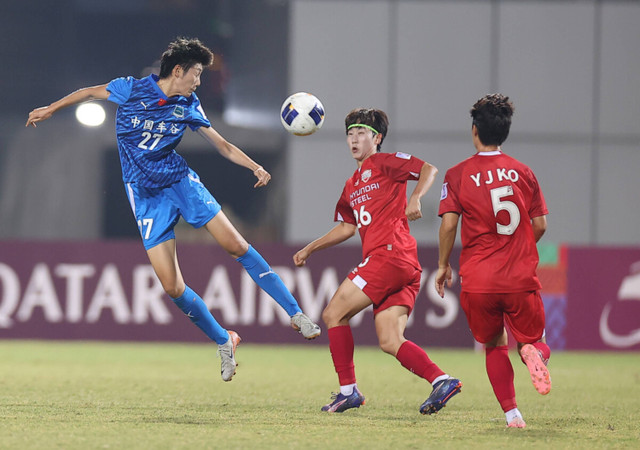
<point x="363" y="217"/>
<point x="505" y="205"/>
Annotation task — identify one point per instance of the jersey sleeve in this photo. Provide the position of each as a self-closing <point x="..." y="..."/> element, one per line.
<point x="198" y="117"/>
<point x="400" y="166"/>
<point x="120" y="89"/>
<point x="343" y="211"/>
<point x="449" y="201"/>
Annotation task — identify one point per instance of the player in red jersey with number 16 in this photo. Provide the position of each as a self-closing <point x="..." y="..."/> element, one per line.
<point x="374" y="202"/>
<point x="503" y="216"/>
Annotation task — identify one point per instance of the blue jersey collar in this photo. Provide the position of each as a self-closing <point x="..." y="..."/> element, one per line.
<point x="153" y="78"/>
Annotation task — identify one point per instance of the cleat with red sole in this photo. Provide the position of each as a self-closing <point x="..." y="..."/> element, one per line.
<point x="537" y="368"/>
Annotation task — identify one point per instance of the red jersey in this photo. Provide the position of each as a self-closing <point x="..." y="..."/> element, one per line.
<point x="497" y="196"/>
<point x="375" y="199"/>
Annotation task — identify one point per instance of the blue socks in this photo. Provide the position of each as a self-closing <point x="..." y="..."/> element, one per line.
<point x="194" y="307"/>
<point x="268" y="280"/>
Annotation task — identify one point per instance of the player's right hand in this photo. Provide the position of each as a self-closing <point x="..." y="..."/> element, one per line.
<point x="300" y="258"/>
<point x="443" y="276"/>
<point x="38" y="115"/>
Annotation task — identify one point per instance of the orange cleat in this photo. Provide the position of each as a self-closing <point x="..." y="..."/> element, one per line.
<point x="537" y="368"/>
<point x="518" y="422"/>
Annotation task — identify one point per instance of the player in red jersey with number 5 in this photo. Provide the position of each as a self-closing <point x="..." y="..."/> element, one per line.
<point x="503" y="216"/>
<point x="374" y="202"/>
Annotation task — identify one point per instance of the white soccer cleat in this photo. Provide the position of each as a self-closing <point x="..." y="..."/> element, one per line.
<point x="301" y="323"/>
<point x="227" y="352"/>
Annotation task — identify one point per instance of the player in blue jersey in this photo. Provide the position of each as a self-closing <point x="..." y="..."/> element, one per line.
<point x="153" y="114"/>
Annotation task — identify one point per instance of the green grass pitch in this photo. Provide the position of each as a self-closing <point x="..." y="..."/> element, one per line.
<point x="82" y="395"/>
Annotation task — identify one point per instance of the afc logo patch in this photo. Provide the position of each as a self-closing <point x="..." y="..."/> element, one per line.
<point x="178" y="111"/>
<point x="444" y="192"/>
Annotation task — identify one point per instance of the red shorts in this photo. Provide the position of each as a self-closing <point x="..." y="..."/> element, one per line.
<point x="387" y="282"/>
<point x="486" y="314"/>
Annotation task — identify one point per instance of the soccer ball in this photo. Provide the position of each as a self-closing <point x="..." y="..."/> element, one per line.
<point x="302" y="114"/>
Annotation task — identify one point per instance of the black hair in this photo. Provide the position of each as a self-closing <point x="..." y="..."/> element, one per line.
<point x="374" y="118"/>
<point x="184" y="52"/>
<point x="492" y="118"/>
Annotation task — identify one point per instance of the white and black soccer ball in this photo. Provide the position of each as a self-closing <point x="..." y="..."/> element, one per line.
<point x="302" y="114"/>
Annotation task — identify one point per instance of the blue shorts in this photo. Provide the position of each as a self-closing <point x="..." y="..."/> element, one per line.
<point x="158" y="210"/>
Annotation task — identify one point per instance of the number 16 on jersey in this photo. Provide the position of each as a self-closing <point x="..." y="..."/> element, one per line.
<point x="363" y="217"/>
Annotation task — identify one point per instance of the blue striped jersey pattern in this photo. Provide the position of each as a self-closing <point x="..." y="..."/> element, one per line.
<point x="149" y="127"/>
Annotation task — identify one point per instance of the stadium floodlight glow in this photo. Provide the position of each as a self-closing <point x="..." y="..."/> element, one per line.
<point x="90" y="114"/>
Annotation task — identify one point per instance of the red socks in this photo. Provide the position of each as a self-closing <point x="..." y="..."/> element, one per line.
<point x="341" y="347"/>
<point x="415" y="359"/>
<point x="500" y="373"/>
<point x="411" y="356"/>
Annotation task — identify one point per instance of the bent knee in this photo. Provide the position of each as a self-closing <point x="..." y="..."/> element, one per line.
<point x="328" y="318"/>
<point x="174" y="290"/>
<point x="389" y="346"/>
<point x="333" y="317"/>
<point x="237" y="249"/>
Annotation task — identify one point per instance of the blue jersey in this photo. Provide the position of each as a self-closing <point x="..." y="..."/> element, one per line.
<point x="149" y="126"/>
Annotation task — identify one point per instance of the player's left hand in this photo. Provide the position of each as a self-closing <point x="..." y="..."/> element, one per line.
<point x="263" y="177"/>
<point x="414" y="210"/>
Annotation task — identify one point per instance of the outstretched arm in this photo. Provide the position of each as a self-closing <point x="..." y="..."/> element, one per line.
<point x="81" y="95"/>
<point x="425" y="180"/>
<point x="336" y="235"/>
<point x="447" y="237"/>
<point x="235" y="155"/>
